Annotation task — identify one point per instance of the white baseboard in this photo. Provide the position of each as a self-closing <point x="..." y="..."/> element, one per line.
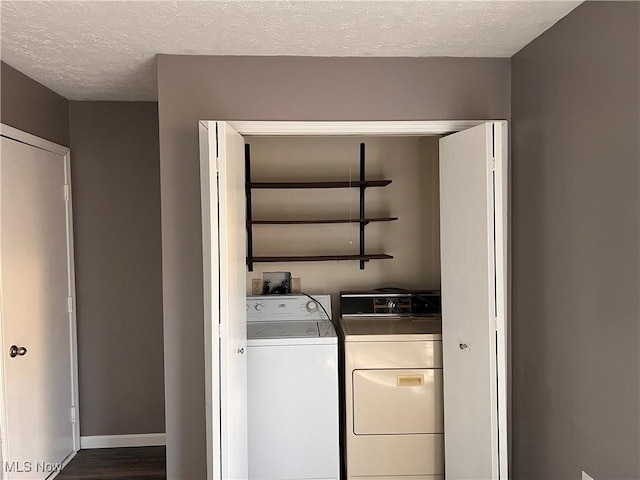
<point x="112" y="441"/>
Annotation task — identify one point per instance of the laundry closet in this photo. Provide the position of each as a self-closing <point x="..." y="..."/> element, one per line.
<point x="361" y="211"/>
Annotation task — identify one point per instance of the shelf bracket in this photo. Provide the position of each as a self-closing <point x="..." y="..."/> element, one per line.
<point x="362" y="217"/>
<point x="247" y="176"/>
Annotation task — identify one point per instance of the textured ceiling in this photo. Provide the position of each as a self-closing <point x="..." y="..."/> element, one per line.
<point x="105" y="50"/>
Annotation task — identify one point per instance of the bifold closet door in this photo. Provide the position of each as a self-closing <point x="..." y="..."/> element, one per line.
<point x="224" y="231"/>
<point x="36" y="328"/>
<point x="473" y="255"/>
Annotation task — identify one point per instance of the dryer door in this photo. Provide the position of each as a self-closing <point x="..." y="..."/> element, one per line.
<point x="397" y="401"/>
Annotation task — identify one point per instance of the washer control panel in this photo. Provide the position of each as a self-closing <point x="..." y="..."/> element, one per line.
<point x="282" y="308"/>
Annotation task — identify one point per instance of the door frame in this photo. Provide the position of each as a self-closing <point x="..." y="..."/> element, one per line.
<point x="34" y="141"/>
<point x="372" y="128"/>
<point x="503" y="242"/>
<point x="211" y="302"/>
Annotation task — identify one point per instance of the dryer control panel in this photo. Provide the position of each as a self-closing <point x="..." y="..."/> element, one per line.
<point x="389" y="302"/>
<point x="282" y="308"/>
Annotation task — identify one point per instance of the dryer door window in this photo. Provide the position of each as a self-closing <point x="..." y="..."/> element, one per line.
<point x="397" y="402"/>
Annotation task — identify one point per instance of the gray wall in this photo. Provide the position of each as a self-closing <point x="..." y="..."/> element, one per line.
<point x="116" y="194"/>
<point x="30" y="106"/>
<point x="576" y="366"/>
<point x="192" y="88"/>
<point x="116" y="188"/>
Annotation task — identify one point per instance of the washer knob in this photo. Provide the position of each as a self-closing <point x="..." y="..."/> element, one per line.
<point x="258" y="306"/>
<point x="312" y="306"/>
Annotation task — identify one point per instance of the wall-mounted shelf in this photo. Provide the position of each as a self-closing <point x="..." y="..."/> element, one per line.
<point x="313" y="222"/>
<point x="301" y="185"/>
<point x="363" y="221"/>
<point x="317" y="258"/>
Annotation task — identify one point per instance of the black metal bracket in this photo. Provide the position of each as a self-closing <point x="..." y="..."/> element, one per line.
<point x="247" y="183"/>
<point x="362" y="187"/>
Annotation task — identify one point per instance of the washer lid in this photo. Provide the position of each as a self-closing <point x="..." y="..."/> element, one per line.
<point x="258" y="330"/>
<point x="290" y="333"/>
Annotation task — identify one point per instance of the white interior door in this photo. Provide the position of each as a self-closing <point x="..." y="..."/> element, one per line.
<point x="225" y="247"/>
<point x="473" y="215"/>
<point x="37" y="325"/>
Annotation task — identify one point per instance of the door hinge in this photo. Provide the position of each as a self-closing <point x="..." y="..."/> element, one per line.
<point x="217" y="140"/>
<point x="217" y="151"/>
<point x="493" y="164"/>
<point x="66" y="192"/>
<point x="74" y="416"/>
<point x="69" y="304"/>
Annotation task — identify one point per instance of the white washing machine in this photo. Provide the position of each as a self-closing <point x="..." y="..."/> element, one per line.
<point x="292" y="375"/>
<point x="393" y="385"/>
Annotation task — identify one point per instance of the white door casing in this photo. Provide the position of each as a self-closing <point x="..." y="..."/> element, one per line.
<point x="473" y="219"/>
<point x="209" y="206"/>
<point x="225" y="247"/>
<point x="470" y="453"/>
<point x="39" y="389"/>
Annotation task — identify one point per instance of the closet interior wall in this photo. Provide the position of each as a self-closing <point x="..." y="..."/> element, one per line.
<point x="411" y="163"/>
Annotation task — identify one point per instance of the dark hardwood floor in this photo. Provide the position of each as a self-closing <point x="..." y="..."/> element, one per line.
<point x="135" y="463"/>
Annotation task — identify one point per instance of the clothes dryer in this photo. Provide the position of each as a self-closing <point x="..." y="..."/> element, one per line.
<point x="393" y="385"/>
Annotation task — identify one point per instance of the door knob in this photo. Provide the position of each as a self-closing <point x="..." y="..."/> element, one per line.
<point x="14" y="351"/>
